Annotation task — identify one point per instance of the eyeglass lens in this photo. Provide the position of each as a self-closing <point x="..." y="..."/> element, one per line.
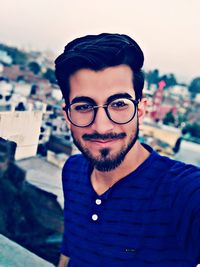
<point x="120" y="111"/>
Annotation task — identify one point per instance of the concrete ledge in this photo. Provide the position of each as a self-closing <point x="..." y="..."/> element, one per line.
<point x="13" y="255"/>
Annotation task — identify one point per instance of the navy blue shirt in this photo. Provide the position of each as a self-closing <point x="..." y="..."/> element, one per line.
<point x="151" y="217"/>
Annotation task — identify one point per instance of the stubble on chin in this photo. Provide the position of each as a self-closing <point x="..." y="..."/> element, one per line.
<point x="106" y="162"/>
<point x="104" y="152"/>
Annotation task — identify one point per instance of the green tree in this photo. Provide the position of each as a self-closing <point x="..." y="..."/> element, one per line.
<point x="181" y="118"/>
<point x="169" y="79"/>
<point x="193" y="129"/>
<point x="169" y="118"/>
<point x="50" y="75"/>
<point x="19" y="57"/>
<point x="194" y="87"/>
<point x="34" y="67"/>
<point x="152" y="77"/>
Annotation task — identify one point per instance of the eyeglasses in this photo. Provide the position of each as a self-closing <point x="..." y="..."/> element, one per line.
<point x="119" y="111"/>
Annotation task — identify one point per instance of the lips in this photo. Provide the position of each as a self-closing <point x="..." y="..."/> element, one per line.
<point x="103" y="141"/>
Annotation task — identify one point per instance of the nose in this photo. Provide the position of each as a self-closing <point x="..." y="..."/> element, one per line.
<point x="102" y="123"/>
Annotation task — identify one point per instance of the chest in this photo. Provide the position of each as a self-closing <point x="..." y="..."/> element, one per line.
<point x="120" y="227"/>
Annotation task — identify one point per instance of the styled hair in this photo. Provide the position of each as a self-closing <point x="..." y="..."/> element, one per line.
<point x="97" y="52"/>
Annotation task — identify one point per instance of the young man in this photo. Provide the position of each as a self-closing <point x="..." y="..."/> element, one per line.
<point x="125" y="205"/>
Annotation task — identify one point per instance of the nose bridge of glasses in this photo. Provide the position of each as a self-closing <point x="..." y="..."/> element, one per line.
<point x="101" y="121"/>
<point x="100" y="106"/>
<point x="105" y="107"/>
<point x="102" y="115"/>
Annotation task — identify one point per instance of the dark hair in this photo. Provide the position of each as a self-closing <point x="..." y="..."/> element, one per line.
<point x="97" y="52"/>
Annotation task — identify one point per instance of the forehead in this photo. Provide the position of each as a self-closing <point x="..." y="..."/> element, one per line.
<point x="99" y="85"/>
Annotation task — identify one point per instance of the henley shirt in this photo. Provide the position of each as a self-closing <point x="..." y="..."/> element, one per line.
<point x="150" y="218"/>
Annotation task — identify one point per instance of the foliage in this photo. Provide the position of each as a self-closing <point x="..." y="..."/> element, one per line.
<point x="34" y="67"/>
<point x="194" y="86"/>
<point x="18" y="57"/>
<point x="153" y="77"/>
<point x="181" y="118"/>
<point x="169" y="118"/>
<point x="170" y="80"/>
<point x="50" y="75"/>
<point x="193" y="129"/>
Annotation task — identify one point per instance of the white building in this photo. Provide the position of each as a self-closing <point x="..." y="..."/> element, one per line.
<point x="56" y="94"/>
<point x="22" y="88"/>
<point x="5" y="58"/>
<point x="197" y="98"/>
<point x="22" y="127"/>
<point x="180" y="90"/>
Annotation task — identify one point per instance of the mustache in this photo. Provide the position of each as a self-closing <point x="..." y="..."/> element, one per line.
<point x="96" y="136"/>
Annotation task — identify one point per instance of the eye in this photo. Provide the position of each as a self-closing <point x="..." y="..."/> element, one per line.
<point x="82" y="107"/>
<point x="119" y="104"/>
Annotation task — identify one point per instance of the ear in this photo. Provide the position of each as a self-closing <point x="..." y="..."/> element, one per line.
<point x="142" y="110"/>
<point x="66" y="118"/>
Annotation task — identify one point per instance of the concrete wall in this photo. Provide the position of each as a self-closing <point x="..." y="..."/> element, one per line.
<point x="22" y="127"/>
<point x="13" y="255"/>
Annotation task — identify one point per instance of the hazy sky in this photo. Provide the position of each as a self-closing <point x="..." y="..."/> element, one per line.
<point x="167" y="30"/>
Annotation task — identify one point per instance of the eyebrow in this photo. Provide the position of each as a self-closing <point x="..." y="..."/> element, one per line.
<point x="109" y="99"/>
<point x="83" y="99"/>
<point x="116" y="96"/>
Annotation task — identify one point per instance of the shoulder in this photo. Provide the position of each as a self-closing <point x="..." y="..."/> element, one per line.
<point x="185" y="199"/>
<point x="182" y="181"/>
<point x="176" y="170"/>
<point x="75" y="166"/>
<point x="185" y="174"/>
<point x="75" y="162"/>
<point x="175" y="177"/>
<point x="186" y="183"/>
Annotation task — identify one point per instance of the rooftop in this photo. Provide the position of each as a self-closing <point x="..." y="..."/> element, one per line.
<point x="13" y="255"/>
<point x="44" y="175"/>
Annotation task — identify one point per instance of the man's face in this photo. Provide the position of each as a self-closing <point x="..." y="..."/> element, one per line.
<point x="104" y="143"/>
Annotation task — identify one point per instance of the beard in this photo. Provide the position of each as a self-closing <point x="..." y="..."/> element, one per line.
<point x="106" y="162"/>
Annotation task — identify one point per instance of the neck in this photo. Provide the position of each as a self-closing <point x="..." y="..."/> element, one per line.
<point x="102" y="181"/>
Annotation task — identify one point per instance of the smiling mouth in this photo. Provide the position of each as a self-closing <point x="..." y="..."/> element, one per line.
<point x="104" y="142"/>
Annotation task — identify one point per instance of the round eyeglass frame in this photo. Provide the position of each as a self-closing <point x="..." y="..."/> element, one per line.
<point x="105" y="106"/>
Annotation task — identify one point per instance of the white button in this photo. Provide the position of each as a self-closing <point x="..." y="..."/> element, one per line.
<point x="98" y="201"/>
<point x="94" y="217"/>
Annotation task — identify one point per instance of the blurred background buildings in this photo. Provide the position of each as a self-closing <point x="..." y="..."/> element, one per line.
<point x="31" y="114"/>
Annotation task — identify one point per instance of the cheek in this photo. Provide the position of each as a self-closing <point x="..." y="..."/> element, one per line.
<point x="77" y="132"/>
<point x="131" y="127"/>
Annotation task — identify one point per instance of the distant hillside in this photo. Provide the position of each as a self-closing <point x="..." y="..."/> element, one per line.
<point x="18" y="57"/>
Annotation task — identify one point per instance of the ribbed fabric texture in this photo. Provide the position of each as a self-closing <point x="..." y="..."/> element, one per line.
<point x="149" y="218"/>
